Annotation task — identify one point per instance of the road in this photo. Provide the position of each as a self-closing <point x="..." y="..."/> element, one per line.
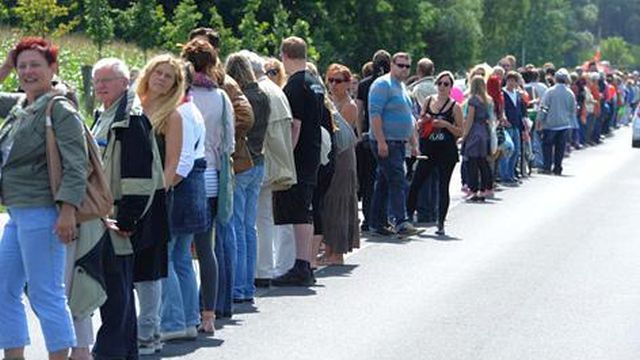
<point x="549" y="270"/>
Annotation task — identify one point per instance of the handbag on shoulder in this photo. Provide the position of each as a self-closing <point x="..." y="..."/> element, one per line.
<point x="98" y="199"/>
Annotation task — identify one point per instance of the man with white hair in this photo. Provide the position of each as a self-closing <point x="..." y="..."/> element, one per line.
<point x="134" y="171"/>
<point x="558" y="110"/>
<point x="276" y="249"/>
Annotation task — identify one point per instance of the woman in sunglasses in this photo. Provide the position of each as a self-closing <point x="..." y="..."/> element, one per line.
<point x="275" y="71"/>
<point x="440" y="125"/>
<point x="340" y="215"/>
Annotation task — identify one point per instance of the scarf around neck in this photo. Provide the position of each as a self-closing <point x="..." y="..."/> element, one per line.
<point x="201" y="79"/>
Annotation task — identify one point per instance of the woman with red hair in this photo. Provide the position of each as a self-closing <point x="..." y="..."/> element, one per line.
<point x="340" y="213"/>
<point x="41" y="222"/>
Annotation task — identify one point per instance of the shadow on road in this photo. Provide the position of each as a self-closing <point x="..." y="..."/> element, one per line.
<point x="439" y="237"/>
<point x="183" y="348"/>
<point x="291" y="291"/>
<point x="394" y="239"/>
<point x="245" y="308"/>
<point x="333" y="271"/>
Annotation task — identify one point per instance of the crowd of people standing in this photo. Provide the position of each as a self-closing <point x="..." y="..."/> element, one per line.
<point x="256" y="167"/>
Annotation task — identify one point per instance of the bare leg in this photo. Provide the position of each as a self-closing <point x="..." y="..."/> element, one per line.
<point x="80" y="353"/>
<point x="317" y="240"/>
<point x="331" y="257"/>
<point x="15" y="353"/>
<point x="303" y="234"/>
<point x="59" y="355"/>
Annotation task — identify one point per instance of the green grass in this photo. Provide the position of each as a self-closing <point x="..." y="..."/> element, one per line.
<point x="75" y="51"/>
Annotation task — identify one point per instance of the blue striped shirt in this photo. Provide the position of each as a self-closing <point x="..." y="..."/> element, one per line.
<point x="389" y="99"/>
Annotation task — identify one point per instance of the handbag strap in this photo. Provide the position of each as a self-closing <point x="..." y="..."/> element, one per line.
<point x="54" y="163"/>
<point x="225" y="126"/>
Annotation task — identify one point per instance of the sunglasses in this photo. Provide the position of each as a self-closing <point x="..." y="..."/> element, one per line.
<point x="336" y="81"/>
<point x="403" y="66"/>
<point x="272" y="72"/>
<point x="443" y="83"/>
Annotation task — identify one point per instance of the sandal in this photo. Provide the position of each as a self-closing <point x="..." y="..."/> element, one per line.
<point x="328" y="261"/>
<point x="207" y="324"/>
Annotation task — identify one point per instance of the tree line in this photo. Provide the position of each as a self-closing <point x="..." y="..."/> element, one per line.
<point x="454" y="33"/>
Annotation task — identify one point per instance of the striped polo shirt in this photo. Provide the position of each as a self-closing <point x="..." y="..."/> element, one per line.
<point x="389" y="99"/>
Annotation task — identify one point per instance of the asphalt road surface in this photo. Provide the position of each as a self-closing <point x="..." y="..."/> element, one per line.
<point x="549" y="270"/>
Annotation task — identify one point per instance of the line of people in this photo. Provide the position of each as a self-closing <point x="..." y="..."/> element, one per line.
<point x="255" y="167"/>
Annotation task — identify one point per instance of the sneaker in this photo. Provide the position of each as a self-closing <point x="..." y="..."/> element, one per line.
<point x="262" y="283"/>
<point x="385" y="231"/>
<point x="173" y="335"/>
<point x="294" y="277"/>
<point x="476" y="199"/>
<point x="406" y="229"/>
<point x="191" y="333"/>
<point x="146" y="348"/>
<point x="158" y="344"/>
<point x="487" y="194"/>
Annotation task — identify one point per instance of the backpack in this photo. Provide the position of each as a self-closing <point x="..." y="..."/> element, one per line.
<point x="98" y="199"/>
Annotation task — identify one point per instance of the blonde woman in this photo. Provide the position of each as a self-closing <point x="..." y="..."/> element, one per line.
<point x="475" y="133"/>
<point x="160" y="89"/>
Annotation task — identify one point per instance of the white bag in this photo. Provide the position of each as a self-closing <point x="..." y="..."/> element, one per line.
<point x="636" y="129"/>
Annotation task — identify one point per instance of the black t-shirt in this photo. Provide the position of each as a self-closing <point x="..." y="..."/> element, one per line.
<point x="363" y="95"/>
<point x="306" y="98"/>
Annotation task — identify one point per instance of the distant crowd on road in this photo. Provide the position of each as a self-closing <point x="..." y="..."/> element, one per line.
<point x="256" y="167"/>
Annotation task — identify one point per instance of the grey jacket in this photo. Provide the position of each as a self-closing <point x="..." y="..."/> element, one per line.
<point x="561" y="108"/>
<point x="25" y="179"/>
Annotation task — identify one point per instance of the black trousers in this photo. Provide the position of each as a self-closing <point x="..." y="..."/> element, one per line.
<point x="477" y="165"/>
<point x="445" y="170"/>
<point x="366" y="166"/>
<point x="117" y="338"/>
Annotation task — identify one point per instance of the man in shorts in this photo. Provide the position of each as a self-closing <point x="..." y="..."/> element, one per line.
<point x="293" y="206"/>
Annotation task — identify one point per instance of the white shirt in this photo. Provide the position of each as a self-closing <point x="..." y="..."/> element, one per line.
<point x="210" y="102"/>
<point x="513" y="95"/>
<point x="193" y="133"/>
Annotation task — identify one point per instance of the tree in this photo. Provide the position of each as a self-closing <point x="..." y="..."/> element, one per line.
<point x="142" y="23"/>
<point x="185" y="19"/>
<point x="40" y="17"/>
<point x="504" y="25"/>
<point x="98" y="22"/>
<point x="546" y="36"/>
<point x="254" y="33"/>
<point x="617" y="51"/>
<point x="4" y="13"/>
<point x="229" y="43"/>
<point x="455" y="35"/>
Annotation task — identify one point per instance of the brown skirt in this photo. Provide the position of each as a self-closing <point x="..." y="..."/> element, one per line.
<point x="340" y="213"/>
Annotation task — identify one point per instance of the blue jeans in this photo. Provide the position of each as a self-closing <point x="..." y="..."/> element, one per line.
<point x="428" y="198"/>
<point x="180" y="303"/>
<point x="507" y="165"/>
<point x="225" y="250"/>
<point x="30" y="253"/>
<point x="390" y="186"/>
<point x="554" y="143"/>
<point x="245" y="212"/>
<point x="118" y="333"/>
